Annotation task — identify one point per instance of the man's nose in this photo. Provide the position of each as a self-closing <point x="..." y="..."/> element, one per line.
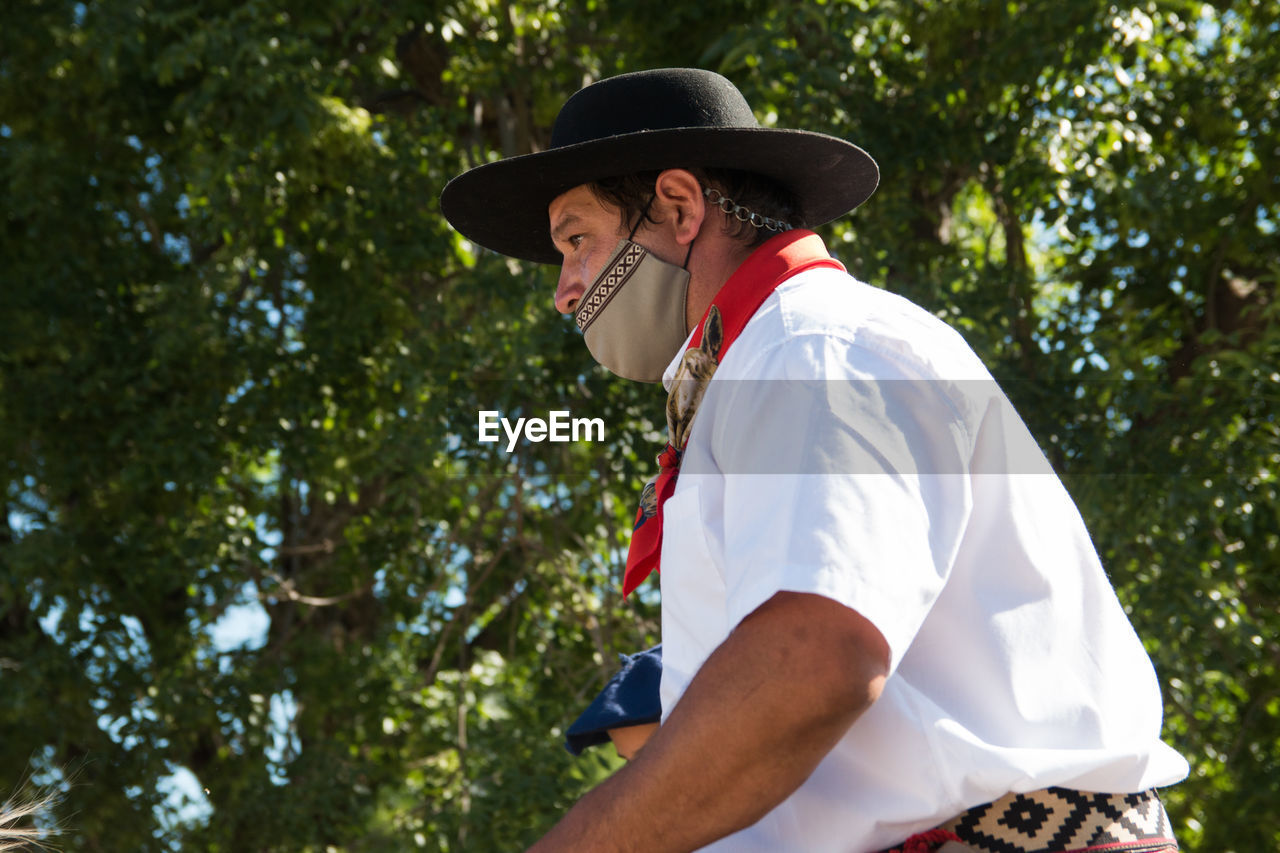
<point x="568" y="291"/>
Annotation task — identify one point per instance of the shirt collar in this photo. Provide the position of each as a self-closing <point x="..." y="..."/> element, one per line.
<point x="773" y="258"/>
<point x="669" y="375"/>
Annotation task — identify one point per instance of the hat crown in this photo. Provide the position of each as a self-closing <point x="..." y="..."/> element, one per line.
<point x="663" y="99"/>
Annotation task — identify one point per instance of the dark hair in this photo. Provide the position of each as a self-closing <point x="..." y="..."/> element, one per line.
<point x="631" y="195"/>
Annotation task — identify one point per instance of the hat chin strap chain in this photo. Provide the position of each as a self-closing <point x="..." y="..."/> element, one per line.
<point x="730" y="208"/>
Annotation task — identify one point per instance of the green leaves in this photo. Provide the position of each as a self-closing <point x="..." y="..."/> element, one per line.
<point x="241" y="358"/>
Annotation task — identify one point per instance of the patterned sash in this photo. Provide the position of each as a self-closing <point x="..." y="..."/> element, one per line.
<point x="1055" y="820"/>
<point x="780" y="258"/>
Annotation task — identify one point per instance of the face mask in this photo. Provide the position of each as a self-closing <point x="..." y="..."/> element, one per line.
<point x="635" y="331"/>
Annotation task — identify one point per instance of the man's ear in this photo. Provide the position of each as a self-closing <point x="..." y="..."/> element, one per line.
<point x="678" y="198"/>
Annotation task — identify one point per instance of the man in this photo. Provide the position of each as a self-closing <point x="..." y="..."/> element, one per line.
<point x="883" y="621"/>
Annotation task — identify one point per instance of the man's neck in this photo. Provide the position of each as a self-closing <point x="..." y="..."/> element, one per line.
<point x="708" y="273"/>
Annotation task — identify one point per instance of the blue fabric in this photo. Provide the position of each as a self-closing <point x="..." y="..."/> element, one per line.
<point x="629" y="699"/>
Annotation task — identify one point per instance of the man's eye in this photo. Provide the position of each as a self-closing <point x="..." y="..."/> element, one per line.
<point x="575" y="240"/>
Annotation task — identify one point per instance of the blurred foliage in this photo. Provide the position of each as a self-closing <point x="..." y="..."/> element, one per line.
<point x="241" y="356"/>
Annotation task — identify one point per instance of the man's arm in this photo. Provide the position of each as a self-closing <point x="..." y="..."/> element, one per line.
<point x="757" y="718"/>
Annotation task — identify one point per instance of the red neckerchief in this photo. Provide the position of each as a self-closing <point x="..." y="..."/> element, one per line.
<point x="783" y="256"/>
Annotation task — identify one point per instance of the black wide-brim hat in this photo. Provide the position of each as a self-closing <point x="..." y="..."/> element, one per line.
<point x="661" y="119"/>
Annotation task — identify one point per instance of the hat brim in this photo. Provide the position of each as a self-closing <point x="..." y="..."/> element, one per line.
<point x="503" y="205"/>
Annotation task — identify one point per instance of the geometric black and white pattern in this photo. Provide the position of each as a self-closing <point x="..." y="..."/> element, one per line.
<point x="1060" y="820"/>
<point x="607" y="285"/>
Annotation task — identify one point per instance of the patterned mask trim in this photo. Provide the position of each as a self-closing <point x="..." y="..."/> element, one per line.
<point x="635" y="330"/>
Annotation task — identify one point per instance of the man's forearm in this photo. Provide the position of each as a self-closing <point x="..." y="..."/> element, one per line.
<point x="756" y="720"/>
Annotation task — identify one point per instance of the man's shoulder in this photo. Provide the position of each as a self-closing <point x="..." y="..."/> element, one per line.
<point x="830" y="309"/>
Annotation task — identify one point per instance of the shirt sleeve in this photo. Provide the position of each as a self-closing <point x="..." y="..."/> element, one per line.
<point x="845" y="476"/>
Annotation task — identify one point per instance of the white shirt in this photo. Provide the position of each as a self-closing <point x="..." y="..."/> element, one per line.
<point x="851" y="445"/>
